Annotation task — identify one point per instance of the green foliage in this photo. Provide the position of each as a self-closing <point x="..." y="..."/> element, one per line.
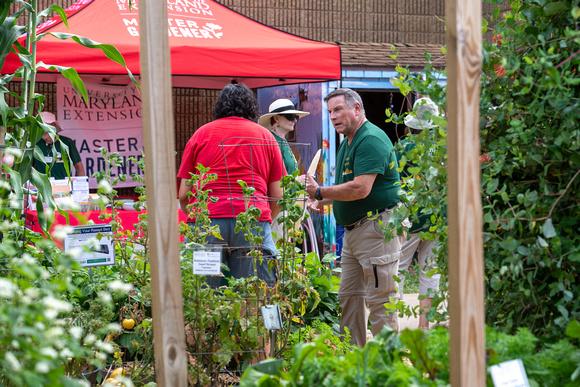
<point x="319" y="330"/>
<point x="223" y="327"/>
<point x="552" y="364"/>
<point x="413" y="358"/>
<point x="530" y="166"/>
<point x="53" y="329"/>
<point x="197" y="209"/>
<point x="529" y="110"/>
<point x="40" y="341"/>
<point x="423" y="169"/>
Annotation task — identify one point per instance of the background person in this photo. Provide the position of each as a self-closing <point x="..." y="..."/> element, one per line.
<point x="281" y="119"/>
<point x="236" y="148"/>
<point x="366" y="181"/>
<point x="52" y="152"/>
<point x="424" y="109"/>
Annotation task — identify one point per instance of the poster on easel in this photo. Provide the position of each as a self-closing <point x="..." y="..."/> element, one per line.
<point x="93" y="245"/>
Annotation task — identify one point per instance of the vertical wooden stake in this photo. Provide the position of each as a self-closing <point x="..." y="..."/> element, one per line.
<point x="467" y="352"/>
<point x="158" y="135"/>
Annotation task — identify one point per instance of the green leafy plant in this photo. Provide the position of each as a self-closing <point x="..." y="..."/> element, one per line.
<point x="413" y="358"/>
<point x="41" y="341"/>
<point x="530" y="167"/>
<point x="530" y="137"/>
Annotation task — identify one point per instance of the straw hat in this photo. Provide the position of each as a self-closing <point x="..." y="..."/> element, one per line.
<point x="423" y="110"/>
<point x="280" y="106"/>
<point x="48" y="117"/>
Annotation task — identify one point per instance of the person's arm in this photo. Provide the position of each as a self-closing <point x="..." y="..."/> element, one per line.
<point x="184" y="189"/>
<point x="275" y="194"/>
<point x="357" y="189"/>
<point x="79" y="169"/>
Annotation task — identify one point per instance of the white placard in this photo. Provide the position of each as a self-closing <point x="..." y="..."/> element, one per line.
<point x="94" y="251"/>
<point x="272" y="317"/>
<point x="509" y="374"/>
<point x="207" y="261"/>
<point x="80" y="188"/>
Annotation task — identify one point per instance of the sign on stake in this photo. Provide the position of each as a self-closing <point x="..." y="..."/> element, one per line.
<point x="95" y="244"/>
<point x="207" y="260"/>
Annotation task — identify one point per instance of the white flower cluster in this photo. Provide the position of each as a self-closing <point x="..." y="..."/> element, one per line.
<point x="120" y="286"/>
<point x="54" y="306"/>
<point x="60" y="231"/>
<point x="104" y="187"/>
<point x="67" y="203"/>
<point x="7" y="288"/>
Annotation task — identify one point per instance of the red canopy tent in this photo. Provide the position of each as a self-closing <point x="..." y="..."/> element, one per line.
<point x="211" y="45"/>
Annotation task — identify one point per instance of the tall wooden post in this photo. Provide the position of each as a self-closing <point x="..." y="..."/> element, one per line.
<point x="467" y="352"/>
<point x="158" y="135"/>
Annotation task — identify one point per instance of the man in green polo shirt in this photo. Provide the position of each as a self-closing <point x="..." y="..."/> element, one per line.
<point x="367" y="183"/>
<point x="52" y="162"/>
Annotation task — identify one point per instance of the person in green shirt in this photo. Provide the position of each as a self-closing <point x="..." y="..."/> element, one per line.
<point x="281" y="119"/>
<point x="366" y="189"/>
<point x="52" y="152"/>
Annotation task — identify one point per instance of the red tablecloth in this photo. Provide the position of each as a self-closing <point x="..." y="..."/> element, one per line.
<point x="127" y="218"/>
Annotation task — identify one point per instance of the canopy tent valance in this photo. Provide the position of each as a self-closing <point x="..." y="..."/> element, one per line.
<point x="210" y="45"/>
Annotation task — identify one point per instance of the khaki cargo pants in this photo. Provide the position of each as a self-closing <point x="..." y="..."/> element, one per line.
<point x="369" y="264"/>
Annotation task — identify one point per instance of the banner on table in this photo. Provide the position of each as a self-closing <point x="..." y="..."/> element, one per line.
<point x="111" y="119"/>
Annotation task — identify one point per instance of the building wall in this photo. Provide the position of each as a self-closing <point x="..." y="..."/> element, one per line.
<point x="380" y="21"/>
<point x="377" y="21"/>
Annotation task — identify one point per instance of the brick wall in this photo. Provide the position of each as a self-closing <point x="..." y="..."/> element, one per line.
<point x="380" y="21"/>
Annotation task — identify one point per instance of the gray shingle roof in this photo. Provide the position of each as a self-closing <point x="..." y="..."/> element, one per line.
<point x="386" y="55"/>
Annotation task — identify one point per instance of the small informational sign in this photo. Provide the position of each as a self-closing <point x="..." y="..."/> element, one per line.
<point x="272" y="317"/>
<point x="207" y="260"/>
<point x="509" y="374"/>
<point x="95" y="244"/>
<point x="80" y="188"/>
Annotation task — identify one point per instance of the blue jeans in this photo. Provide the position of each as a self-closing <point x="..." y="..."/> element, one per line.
<point x="235" y="252"/>
<point x="339" y="240"/>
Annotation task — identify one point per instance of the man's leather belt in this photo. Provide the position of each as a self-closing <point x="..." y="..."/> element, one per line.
<point x="363" y="220"/>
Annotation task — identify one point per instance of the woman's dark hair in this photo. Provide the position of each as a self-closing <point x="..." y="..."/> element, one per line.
<point x="236" y="100"/>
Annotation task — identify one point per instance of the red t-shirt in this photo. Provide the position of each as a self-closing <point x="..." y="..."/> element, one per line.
<point x="235" y="149"/>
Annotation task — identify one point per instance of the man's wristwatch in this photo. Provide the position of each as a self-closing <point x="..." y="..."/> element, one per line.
<point x="318" y="194"/>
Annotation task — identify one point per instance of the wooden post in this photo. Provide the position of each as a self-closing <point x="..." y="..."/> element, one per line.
<point x="158" y="136"/>
<point x="467" y="348"/>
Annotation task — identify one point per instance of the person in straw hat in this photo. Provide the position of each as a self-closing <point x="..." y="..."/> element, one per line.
<point x="424" y="110"/>
<point x="281" y="119"/>
<point x="52" y="161"/>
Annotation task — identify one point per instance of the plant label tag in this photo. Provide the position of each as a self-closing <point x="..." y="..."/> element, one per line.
<point x="272" y="317"/>
<point x="509" y="374"/>
<point x="92" y="245"/>
<point x="207" y="261"/>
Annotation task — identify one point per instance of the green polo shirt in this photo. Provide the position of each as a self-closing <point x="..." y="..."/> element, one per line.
<point x="53" y="160"/>
<point x="287" y="156"/>
<point x="370" y="152"/>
